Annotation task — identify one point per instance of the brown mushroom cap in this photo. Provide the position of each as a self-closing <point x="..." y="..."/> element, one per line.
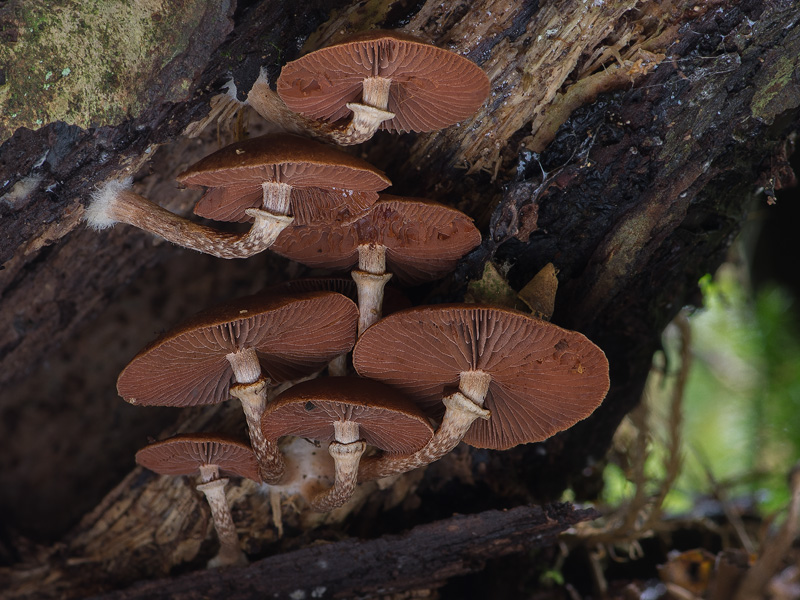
<point x="424" y="240"/>
<point x="293" y="335"/>
<point x="322" y="178"/>
<point x="309" y="205"/>
<point x="544" y="378"/>
<point x="431" y="87"/>
<point x="184" y="455"/>
<point x="386" y="418"/>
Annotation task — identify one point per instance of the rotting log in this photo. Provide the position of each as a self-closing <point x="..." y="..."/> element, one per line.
<point x="654" y="126"/>
<point x="423" y="558"/>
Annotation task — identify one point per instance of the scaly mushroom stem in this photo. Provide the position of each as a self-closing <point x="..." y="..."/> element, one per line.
<point x="365" y="122"/>
<point x="346" y="450"/>
<point x="269" y="105"/>
<point x="230" y="552"/>
<point x="246" y="366"/>
<point x="276" y="202"/>
<point x="276" y="197"/>
<point x="370" y="278"/>
<point x="368" y="115"/>
<point x="461" y="410"/>
<point x="251" y="389"/>
<point x="362" y="126"/>
<point x="114" y="203"/>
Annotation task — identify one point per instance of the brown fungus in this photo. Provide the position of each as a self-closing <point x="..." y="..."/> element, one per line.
<point x="417" y="240"/>
<point x="285" y="175"/>
<point x="273" y="179"/>
<point x="210" y="455"/>
<point x="384" y="79"/>
<point x="224" y="351"/>
<point x="348" y="413"/>
<point x="531" y="377"/>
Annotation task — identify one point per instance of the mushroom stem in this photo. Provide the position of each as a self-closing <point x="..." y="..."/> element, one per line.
<point x="271" y="464"/>
<point x="345" y="432"/>
<point x="230" y="552"/>
<point x="376" y="92"/>
<point x="363" y="125"/>
<point x="474" y="385"/>
<point x="366" y="120"/>
<point x="367" y="116"/>
<point x="266" y="102"/>
<point x="245" y="364"/>
<point x="370" y="297"/>
<point x="338" y="366"/>
<point x="372" y="258"/>
<point x="462" y="408"/>
<point x="251" y="389"/>
<point x="346" y="450"/>
<point x="370" y="278"/>
<point x="114" y="203"/>
<point x="276" y="197"/>
<point x="209" y="473"/>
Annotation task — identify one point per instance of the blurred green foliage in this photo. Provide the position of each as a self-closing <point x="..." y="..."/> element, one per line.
<point x="740" y="429"/>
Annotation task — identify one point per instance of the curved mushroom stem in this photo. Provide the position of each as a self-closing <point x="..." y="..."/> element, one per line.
<point x="251" y="389"/>
<point x="461" y="410"/>
<point x="230" y="552"/>
<point x="365" y="122"/>
<point x="346" y="450"/>
<point x="115" y="203"/>
<point x="362" y="126"/>
<point x="368" y="116"/>
<point x="266" y="102"/>
<point x="370" y="278"/>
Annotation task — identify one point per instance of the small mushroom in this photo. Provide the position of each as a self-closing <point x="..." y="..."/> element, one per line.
<point x="342" y="411"/>
<point x="273" y="180"/>
<point x="384" y="79"/>
<point x="418" y="240"/>
<point x="211" y="455"/>
<point x="532" y="377"/>
<point x="284" y="175"/>
<point x="222" y="351"/>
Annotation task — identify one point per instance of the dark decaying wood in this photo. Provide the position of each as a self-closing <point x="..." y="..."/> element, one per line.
<point x="623" y="141"/>
<point x="424" y="558"/>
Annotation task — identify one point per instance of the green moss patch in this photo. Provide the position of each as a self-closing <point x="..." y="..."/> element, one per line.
<point x="90" y="62"/>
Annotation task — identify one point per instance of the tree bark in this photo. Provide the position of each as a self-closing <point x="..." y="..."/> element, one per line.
<point x="623" y="141"/>
<point x="424" y="558"/>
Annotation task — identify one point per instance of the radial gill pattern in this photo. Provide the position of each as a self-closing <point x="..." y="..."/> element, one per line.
<point x="424" y="240"/>
<point x="185" y="454"/>
<point x="431" y="88"/>
<point x="293" y="336"/>
<point x="386" y="418"/>
<point x="309" y="205"/>
<point x="544" y="378"/>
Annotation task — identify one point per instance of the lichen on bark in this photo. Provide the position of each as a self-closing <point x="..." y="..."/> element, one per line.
<point x="95" y="62"/>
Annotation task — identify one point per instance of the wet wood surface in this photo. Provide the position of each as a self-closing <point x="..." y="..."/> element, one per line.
<point x="623" y="143"/>
<point x="421" y="559"/>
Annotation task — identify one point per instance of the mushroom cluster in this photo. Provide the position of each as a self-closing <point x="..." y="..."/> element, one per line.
<point x="422" y="379"/>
